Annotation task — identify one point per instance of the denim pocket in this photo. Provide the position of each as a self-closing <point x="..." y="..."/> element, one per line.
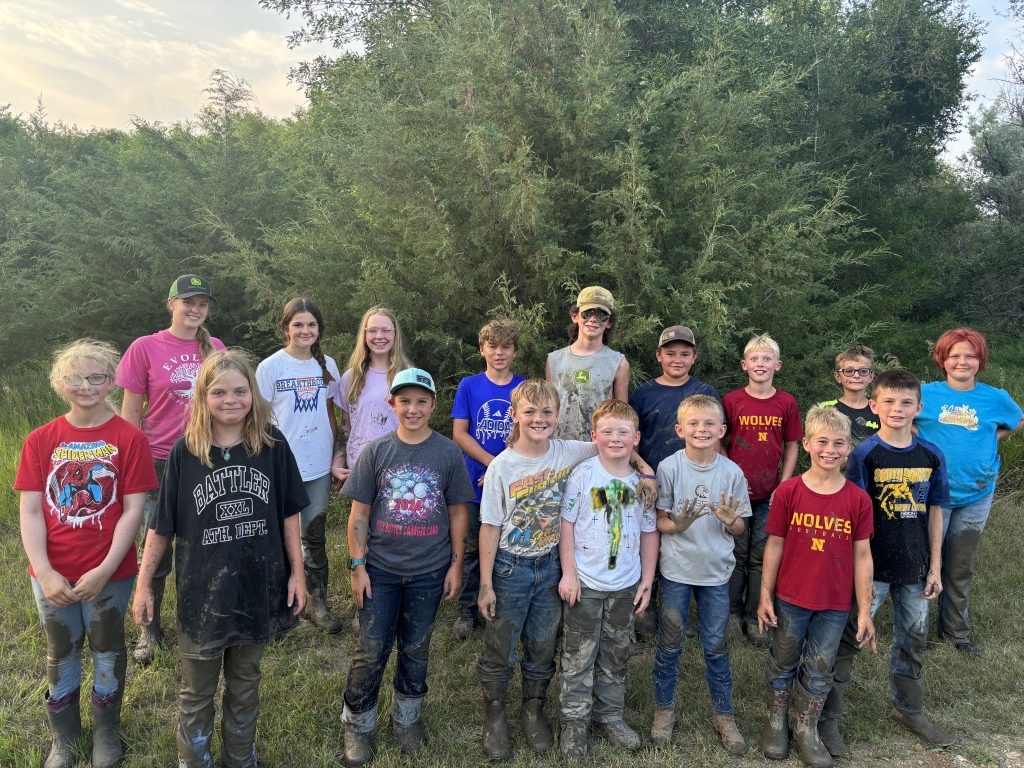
<point x="502" y="569"/>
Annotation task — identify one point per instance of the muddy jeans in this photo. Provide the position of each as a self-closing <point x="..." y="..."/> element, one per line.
<point x="148" y="517"/>
<point x="910" y="635"/>
<point x="402" y="608"/>
<point x="748" y="548"/>
<point x="240" y="708"/>
<point x="596" y="646"/>
<point x="962" y="527"/>
<point x="712" y="618"/>
<point x="804" y="646"/>
<point x="66" y="629"/>
<point x="528" y="608"/>
<point x="313" y="522"/>
<point x="471" y="566"/>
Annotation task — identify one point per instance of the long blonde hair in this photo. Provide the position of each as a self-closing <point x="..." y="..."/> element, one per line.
<point x="535" y="391"/>
<point x="199" y="431"/>
<point x="360" y="360"/>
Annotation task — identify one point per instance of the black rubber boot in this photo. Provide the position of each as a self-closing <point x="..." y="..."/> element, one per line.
<point x="151" y="635"/>
<point x="828" y="732"/>
<point x="535" y="728"/>
<point x="66" y="727"/>
<point x="774" y="742"/>
<point x="107" y="750"/>
<point x="922" y="727"/>
<point x="496" y="745"/>
<point x="316" y="603"/>
<point x="807" y="710"/>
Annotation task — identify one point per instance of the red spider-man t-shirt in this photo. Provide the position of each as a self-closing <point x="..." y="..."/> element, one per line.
<point x="84" y="474"/>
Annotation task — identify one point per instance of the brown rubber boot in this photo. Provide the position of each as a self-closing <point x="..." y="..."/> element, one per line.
<point x="316" y="611"/>
<point x="664" y="722"/>
<point x="107" y="749"/>
<point x="357" y="748"/>
<point x="65" y="717"/>
<point x="496" y="745"/>
<point x="828" y="732"/>
<point x="807" y="710"/>
<point x="923" y="727"/>
<point x="151" y="636"/>
<point x="535" y="728"/>
<point x="774" y="742"/>
<point x="732" y="739"/>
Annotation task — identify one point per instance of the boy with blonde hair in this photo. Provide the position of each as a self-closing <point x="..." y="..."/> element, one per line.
<point x="763" y="429"/>
<point x="702" y="500"/>
<point x="817" y="555"/>
<point x="855" y="370"/>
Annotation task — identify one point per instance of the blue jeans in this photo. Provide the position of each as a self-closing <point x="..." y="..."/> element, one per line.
<point x="712" y="617"/>
<point x="471" y="566"/>
<point x="910" y="636"/>
<point x="804" y="646"/>
<point x="748" y="548"/>
<point x="961" y="528"/>
<point x="402" y="608"/>
<point x="102" y="621"/>
<point x="313" y="522"/>
<point x="528" y="608"/>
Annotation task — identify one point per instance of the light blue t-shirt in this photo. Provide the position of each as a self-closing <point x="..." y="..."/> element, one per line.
<point x="485" y="405"/>
<point x="963" y="425"/>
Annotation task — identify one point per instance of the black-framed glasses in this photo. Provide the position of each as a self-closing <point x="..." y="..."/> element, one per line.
<point x="75" y="380"/>
<point x="851" y="372"/>
<point x="599" y="314"/>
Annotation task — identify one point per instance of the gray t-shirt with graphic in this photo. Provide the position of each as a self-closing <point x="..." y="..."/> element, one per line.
<point x="583" y="383"/>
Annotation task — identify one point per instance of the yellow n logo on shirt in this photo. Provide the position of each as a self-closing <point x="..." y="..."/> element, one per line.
<point x="818" y="545"/>
<point x="581" y="376"/>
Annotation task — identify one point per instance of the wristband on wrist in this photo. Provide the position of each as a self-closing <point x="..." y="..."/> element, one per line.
<point x="354" y="563"/>
<point x="648" y="477"/>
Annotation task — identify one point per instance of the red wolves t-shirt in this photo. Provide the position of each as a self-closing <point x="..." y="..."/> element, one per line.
<point x="758" y="433"/>
<point x="817" y="558"/>
<point x="84" y="474"/>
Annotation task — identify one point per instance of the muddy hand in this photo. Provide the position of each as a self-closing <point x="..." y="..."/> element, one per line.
<point x="689" y="511"/>
<point x="728" y="510"/>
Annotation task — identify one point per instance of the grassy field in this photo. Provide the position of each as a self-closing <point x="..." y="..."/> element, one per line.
<point x="982" y="702"/>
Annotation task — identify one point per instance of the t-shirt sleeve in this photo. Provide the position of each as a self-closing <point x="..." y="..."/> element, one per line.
<point x="361" y="484"/>
<point x="792" y="429"/>
<point x="139" y="475"/>
<point x="166" y="517"/>
<point x="579" y="450"/>
<point x="856" y="469"/>
<point x="133" y="370"/>
<point x="666" y="490"/>
<point x="28" y="477"/>
<point x="342" y="389"/>
<point x="864" y="527"/>
<point x="778" y="513"/>
<point x="460" y="487"/>
<point x="938" y="487"/>
<point x="492" y="500"/>
<point x="294" y="498"/>
<point x="460" y="408"/>
<point x="265" y="380"/>
<point x="332" y="388"/>
<point x="728" y="408"/>
<point x="217" y="344"/>
<point x="572" y="496"/>
<point x="1009" y="412"/>
<point x="739" y="491"/>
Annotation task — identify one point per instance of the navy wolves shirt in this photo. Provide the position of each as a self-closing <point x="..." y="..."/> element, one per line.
<point x="902" y="483"/>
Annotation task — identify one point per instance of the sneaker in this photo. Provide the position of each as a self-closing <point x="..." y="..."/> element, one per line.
<point x="462" y="628"/>
<point x="574" y="738"/>
<point x="619" y="734"/>
<point x="923" y="727"/>
<point x="756" y="636"/>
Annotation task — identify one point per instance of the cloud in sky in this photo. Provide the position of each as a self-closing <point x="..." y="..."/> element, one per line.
<point x="98" y="62"/>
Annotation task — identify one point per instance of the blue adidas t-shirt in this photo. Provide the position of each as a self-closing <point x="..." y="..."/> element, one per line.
<point x="656" y="405"/>
<point x="963" y="425"/>
<point x="485" y="405"/>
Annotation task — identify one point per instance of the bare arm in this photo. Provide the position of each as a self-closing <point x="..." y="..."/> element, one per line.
<point x="864" y="587"/>
<point x="297" y="577"/>
<point x="332" y="418"/>
<point x="338" y="462"/>
<point x="358" y="539"/>
<point x="468" y="443"/>
<point x="766" y="618"/>
<point x="620" y="384"/>
<point x="91" y="583"/>
<point x="649" y="541"/>
<point x="933" y="581"/>
<point x="131" y="408"/>
<point x="489" y="537"/>
<point x="547" y="371"/>
<point x="647" y="489"/>
<point x="789" y="457"/>
<point x="1003" y="432"/>
<point x="142" y="606"/>
<point x="569" y="586"/>
<point x="56" y="588"/>
<point x="458" y="530"/>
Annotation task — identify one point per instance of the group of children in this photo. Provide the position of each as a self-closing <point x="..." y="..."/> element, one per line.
<point x="559" y="512"/>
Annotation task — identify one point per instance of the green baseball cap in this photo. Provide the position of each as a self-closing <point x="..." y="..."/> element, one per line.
<point x="189" y="285"/>
<point x="413" y="377"/>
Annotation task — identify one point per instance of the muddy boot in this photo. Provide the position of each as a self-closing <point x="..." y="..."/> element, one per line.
<point x="756" y="636"/>
<point x="646" y="626"/>
<point x="732" y="739"/>
<point x="151" y="636"/>
<point x="807" y="710"/>
<point x="664" y="722"/>
<point x="409" y="737"/>
<point x="107" y="750"/>
<point x="774" y="743"/>
<point x="65" y="716"/>
<point x="573" y="741"/>
<point x="462" y="628"/>
<point x="496" y="745"/>
<point x="316" y="611"/>
<point x="923" y="727"/>
<point x="828" y="732"/>
<point x="357" y="748"/>
<point x="535" y="728"/>
<point x="734" y="628"/>
<point x="619" y="734"/>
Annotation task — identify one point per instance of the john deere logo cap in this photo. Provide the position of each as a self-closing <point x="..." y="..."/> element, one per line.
<point x="189" y="285"/>
<point x="413" y="377"/>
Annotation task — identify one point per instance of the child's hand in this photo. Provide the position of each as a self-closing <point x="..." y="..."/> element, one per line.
<point x="766" y="618"/>
<point x="91" y="583"/>
<point x="486" y="602"/>
<point x="340" y="475"/>
<point x="866" y="632"/>
<point x="690" y="510"/>
<point x="142" y="606"/>
<point x="932" y="586"/>
<point x="569" y="588"/>
<point x="452" y="581"/>
<point x="297" y="592"/>
<point x="727" y="511"/>
<point x="360" y="580"/>
<point x="642" y="598"/>
<point x="56" y="589"/>
<point x="647" y="492"/>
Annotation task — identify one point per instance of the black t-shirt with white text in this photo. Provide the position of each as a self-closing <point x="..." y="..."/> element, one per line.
<point x="863" y="421"/>
<point x="230" y="563"/>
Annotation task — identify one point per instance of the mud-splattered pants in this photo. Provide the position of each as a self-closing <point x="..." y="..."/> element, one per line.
<point x="240" y="708"/>
<point x="402" y="608"/>
<point x="596" y="646"/>
<point x="962" y="527"/>
<point x="910" y="636"/>
<point x="712" y="618"/>
<point x="528" y="608"/>
<point x="471" y="566"/>
<point x="66" y="629"/>
<point x="804" y="646"/>
<point x="313" y="522"/>
<point x="163" y="568"/>
<point x="748" y="547"/>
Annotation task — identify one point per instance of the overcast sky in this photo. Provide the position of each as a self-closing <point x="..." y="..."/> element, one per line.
<point x="98" y="62"/>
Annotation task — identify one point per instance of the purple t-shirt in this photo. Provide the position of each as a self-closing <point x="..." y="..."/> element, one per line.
<point x="163" y="369"/>
<point x="370" y="416"/>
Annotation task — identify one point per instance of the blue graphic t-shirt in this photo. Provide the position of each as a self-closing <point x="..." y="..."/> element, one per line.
<point x="963" y="425"/>
<point x="485" y="405"/>
<point x="656" y="404"/>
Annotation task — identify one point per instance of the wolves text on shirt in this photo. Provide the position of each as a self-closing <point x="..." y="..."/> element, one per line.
<point x="821" y="527"/>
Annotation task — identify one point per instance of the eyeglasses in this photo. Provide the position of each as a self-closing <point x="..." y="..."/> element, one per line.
<point x="75" y="380"/>
<point x="851" y="372"/>
<point x="599" y="314"/>
<point x="379" y="331"/>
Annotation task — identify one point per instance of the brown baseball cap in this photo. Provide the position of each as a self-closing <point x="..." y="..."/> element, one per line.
<point x="595" y="297"/>
<point x="676" y="333"/>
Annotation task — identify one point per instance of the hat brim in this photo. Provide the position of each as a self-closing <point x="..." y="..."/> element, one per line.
<point x="585" y="307"/>
<point x="193" y="293"/>
<point x="400" y="387"/>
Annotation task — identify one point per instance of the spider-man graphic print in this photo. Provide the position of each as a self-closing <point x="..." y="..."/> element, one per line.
<point x="82" y="483"/>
